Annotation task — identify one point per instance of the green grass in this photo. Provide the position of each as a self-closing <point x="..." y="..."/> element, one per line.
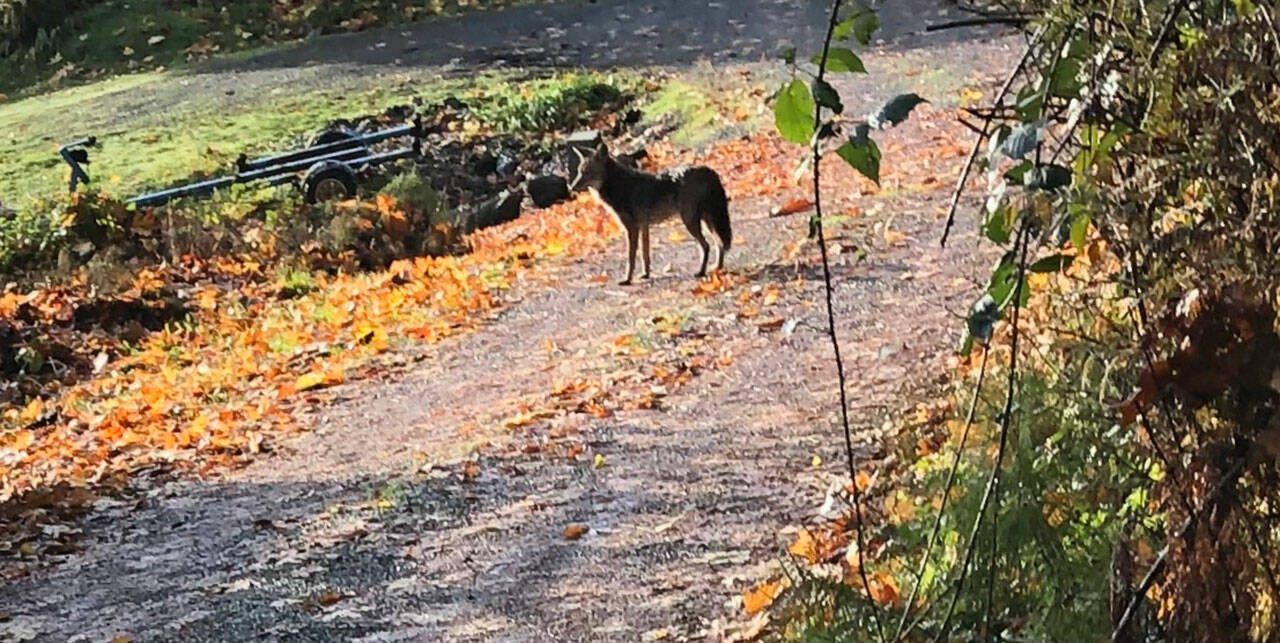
<point x="153" y="134"/>
<point x="703" y="108"/>
<point x="203" y="134"/>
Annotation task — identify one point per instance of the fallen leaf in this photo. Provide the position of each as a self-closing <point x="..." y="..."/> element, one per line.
<point x="760" y="596"/>
<point x="155" y="40"/>
<point x="805" y="547"/>
<point x="795" y="206"/>
<point x="863" y="480"/>
<point x="574" y="532"/>
<point x="893" y="237"/>
<point x="598" y="463"/>
<point x="884" y="589"/>
<point x="770" y="325"/>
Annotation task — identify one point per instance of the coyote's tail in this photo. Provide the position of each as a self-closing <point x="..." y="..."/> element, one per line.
<point x="715" y="211"/>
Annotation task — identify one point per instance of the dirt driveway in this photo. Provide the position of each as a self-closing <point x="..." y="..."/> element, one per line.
<point x="381" y="523"/>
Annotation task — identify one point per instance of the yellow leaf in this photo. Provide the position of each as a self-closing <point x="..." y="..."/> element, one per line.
<point x="864" y="481"/>
<point x="33" y="411"/>
<point x="22" y="440"/>
<point x="884" y="588"/>
<point x="969" y="96"/>
<point x="317" y="380"/>
<point x="760" y="597"/>
<point x="599" y="461"/>
<point x="555" y="246"/>
<point x="805" y="547"/>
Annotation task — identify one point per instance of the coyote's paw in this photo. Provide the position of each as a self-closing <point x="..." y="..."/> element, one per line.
<point x="624" y="282"/>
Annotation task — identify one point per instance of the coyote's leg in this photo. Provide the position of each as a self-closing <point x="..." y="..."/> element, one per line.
<point x="644" y="245"/>
<point x="633" y="238"/>
<point x="720" y="250"/>
<point x="694" y="224"/>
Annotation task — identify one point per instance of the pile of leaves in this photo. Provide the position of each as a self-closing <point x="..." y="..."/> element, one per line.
<point x="210" y="390"/>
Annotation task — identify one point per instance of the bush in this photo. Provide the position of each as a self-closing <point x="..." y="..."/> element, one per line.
<point x="410" y="189"/>
<point x="548" y="104"/>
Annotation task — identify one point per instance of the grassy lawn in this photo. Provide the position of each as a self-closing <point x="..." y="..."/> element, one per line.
<point x="145" y="144"/>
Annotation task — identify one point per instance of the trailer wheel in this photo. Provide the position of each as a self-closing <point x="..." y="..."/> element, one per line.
<point x="329" y="181"/>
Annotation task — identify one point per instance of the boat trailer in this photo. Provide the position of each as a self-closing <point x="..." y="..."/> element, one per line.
<point x="328" y="169"/>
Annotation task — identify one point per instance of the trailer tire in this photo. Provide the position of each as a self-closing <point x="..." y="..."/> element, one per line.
<point x="329" y="181"/>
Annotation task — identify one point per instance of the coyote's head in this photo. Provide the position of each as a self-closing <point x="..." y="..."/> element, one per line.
<point x="591" y="169"/>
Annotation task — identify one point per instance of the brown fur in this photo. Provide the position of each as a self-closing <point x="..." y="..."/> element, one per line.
<point x="639" y="199"/>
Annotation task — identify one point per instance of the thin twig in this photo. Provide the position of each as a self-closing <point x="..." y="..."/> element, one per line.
<point x="977" y="143"/>
<point x="946" y="494"/>
<point x="1024" y="235"/>
<point x="1013" y="20"/>
<point x="831" y="323"/>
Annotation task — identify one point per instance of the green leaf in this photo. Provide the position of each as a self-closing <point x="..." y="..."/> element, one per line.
<point x="1052" y="263"/>
<point x="1017" y="175"/>
<point x="793" y="112"/>
<point x="1048" y="177"/>
<point x="1079" y="230"/>
<point x="1244" y="8"/>
<point x="865" y="24"/>
<point x="1023" y="140"/>
<point x="827" y="96"/>
<point x="1029" y="104"/>
<point x="1065" y="82"/>
<point x="896" y="110"/>
<point x="860" y="25"/>
<point x="1000" y="287"/>
<point x="841" y="59"/>
<point x="996" y="227"/>
<point x="861" y="153"/>
<point x="844" y="27"/>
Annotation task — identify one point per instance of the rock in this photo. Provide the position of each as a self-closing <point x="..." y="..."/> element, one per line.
<point x="484" y="164"/>
<point x="496" y="211"/>
<point x="548" y="190"/>
<point x="585" y="140"/>
<point x="507" y="165"/>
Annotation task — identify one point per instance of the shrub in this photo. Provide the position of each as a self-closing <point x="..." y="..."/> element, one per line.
<point x="548" y="104"/>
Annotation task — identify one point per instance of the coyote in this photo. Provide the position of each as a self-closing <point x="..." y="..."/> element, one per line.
<point x="639" y="199"/>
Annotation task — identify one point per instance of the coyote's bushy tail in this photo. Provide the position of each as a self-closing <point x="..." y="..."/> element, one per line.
<point x="715" y="211"/>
